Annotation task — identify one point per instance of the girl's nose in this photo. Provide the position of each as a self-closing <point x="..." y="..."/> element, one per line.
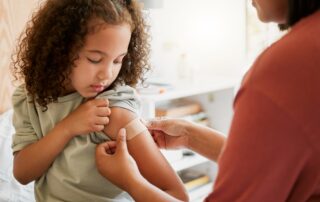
<point x="105" y="73"/>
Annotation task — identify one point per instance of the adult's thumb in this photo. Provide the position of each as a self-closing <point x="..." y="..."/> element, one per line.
<point x="156" y="124"/>
<point x="122" y="141"/>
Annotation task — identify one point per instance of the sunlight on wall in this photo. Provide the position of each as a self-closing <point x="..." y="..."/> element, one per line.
<point x="13" y="16"/>
<point x="211" y="33"/>
<point x="259" y="35"/>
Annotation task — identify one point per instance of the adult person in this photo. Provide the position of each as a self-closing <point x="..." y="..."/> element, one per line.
<point x="272" y="151"/>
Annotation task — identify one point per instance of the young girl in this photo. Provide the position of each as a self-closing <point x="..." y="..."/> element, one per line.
<point x="73" y="52"/>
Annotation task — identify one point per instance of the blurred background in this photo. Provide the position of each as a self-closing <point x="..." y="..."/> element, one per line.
<point x="194" y="39"/>
<point x="190" y="38"/>
<point x="200" y="49"/>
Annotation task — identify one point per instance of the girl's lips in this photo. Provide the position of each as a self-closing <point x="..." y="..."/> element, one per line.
<point x="97" y="88"/>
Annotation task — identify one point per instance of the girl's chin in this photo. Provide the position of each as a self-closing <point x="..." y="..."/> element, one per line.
<point x="89" y="95"/>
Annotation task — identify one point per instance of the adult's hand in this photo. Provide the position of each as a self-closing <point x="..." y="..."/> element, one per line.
<point x="116" y="164"/>
<point x="170" y="133"/>
<point x="179" y="133"/>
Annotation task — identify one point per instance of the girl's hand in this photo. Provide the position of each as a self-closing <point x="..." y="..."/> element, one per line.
<point x="91" y="116"/>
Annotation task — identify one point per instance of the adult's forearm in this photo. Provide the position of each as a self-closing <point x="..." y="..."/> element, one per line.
<point x="205" y="141"/>
<point x="34" y="160"/>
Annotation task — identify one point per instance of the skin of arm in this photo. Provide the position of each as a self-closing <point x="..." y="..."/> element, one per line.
<point x="116" y="164"/>
<point x="178" y="133"/>
<point x="34" y="160"/>
<point x="205" y="141"/>
<point x="151" y="163"/>
<point x="124" y="172"/>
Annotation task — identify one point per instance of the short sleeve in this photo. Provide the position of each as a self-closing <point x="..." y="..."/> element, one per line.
<point x="24" y="131"/>
<point x="122" y="96"/>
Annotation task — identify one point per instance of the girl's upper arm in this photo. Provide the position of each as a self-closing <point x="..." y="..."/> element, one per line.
<point x="152" y="164"/>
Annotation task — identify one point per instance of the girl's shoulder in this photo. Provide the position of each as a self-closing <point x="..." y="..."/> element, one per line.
<point x="120" y="90"/>
<point x="122" y="96"/>
<point x="20" y="95"/>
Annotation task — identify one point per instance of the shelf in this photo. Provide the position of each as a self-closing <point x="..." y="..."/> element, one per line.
<point x="193" y="88"/>
<point x="188" y="161"/>
<point x="215" y="94"/>
<point x="200" y="193"/>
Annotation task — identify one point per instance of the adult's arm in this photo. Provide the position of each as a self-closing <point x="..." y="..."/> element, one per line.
<point x="206" y="141"/>
<point x="178" y="133"/>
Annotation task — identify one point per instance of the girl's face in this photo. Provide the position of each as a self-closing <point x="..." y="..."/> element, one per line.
<point x="271" y="10"/>
<point x="100" y="59"/>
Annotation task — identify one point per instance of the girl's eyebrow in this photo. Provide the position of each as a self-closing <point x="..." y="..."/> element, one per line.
<point x="103" y="53"/>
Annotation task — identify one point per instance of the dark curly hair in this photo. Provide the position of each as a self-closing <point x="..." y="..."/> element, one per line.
<point x="49" y="46"/>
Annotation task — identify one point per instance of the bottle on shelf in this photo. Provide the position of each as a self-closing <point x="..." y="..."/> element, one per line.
<point x="185" y="68"/>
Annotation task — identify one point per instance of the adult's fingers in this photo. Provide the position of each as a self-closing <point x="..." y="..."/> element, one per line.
<point x="159" y="138"/>
<point x="121" y="141"/>
<point x="157" y="124"/>
<point x="106" y="148"/>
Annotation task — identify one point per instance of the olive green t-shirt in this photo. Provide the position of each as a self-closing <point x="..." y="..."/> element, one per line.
<point x="73" y="175"/>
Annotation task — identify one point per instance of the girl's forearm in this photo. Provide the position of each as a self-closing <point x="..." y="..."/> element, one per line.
<point x="177" y="194"/>
<point x="144" y="191"/>
<point x="205" y="141"/>
<point x="34" y="160"/>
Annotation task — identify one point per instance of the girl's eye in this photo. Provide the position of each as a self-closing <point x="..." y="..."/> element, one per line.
<point x="117" y="62"/>
<point x="94" y="61"/>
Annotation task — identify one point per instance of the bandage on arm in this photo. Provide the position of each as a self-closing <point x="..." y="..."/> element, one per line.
<point x="134" y="128"/>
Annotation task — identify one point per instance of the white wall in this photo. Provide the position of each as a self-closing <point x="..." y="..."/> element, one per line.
<point x="212" y="32"/>
<point x="13" y="16"/>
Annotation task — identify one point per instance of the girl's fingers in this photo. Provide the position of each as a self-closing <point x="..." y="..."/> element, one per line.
<point x="102" y="120"/>
<point x="103" y="111"/>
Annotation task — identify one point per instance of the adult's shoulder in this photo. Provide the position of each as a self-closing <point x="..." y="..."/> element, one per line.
<point x="287" y="73"/>
<point x="293" y="57"/>
<point x="288" y="67"/>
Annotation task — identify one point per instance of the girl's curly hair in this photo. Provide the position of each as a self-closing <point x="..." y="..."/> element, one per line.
<point x="49" y="47"/>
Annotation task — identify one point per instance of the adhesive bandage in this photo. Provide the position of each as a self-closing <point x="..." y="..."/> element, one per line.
<point x="134" y="128"/>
